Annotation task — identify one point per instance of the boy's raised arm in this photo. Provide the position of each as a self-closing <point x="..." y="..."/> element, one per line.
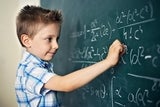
<point x="83" y="76"/>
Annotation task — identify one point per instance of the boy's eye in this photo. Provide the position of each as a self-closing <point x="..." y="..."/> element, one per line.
<point x="49" y="39"/>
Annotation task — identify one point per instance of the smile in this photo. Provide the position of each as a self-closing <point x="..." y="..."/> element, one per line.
<point x="52" y="53"/>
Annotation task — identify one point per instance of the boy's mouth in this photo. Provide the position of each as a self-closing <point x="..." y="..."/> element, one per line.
<point x="52" y="53"/>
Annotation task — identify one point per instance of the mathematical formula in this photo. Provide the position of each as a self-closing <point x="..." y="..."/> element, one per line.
<point x="140" y="97"/>
<point x="136" y="56"/>
<point x="131" y="24"/>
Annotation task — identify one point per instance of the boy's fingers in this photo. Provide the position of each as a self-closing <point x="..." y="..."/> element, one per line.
<point x="118" y="45"/>
<point x="116" y="42"/>
<point x="123" y="50"/>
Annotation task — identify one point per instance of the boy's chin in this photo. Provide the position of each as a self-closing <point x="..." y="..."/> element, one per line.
<point x="48" y="59"/>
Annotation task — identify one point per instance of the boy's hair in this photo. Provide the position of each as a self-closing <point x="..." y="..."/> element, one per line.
<point x="30" y="17"/>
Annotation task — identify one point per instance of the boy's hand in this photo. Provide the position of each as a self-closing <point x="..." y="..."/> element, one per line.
<point x="115" y="51"/>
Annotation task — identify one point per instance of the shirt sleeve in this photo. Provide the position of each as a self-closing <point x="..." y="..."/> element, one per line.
<point x="36" y="79"/>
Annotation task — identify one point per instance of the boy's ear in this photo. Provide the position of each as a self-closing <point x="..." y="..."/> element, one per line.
<point x="26" y="40"/>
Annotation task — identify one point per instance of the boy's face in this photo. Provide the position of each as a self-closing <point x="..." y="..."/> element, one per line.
<point x="45" y="43"/>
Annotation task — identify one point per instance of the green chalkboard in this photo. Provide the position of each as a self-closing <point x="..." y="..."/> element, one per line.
<point x="89" y="27"/>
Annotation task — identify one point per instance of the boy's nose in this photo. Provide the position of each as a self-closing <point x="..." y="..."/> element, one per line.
<point x="55" y="45"/>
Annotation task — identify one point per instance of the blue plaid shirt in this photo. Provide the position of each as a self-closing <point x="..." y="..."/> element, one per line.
<point x="31" y="76"/>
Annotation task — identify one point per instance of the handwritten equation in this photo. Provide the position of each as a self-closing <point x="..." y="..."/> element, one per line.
<point x="131" y="19"/>
<point x="140" y="97"/>
<point x="136" y="55"/>
<point x="131" y="23"/>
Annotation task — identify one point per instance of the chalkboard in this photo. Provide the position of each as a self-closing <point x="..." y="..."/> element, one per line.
<point x="89" y="27"/>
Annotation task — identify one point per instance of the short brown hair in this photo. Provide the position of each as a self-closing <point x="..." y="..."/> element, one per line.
<point x="30" y="17"/>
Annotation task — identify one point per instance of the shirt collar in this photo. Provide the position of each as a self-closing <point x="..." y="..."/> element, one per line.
<point x="27" y="57"/>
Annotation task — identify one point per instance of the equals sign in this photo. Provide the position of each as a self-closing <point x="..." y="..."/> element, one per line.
<point x="147" y="57"/>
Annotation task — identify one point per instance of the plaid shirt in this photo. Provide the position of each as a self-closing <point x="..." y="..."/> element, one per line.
<point x="31" y="76"/>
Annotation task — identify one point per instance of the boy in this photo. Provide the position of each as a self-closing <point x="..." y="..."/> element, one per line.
<point x="36" y="84"/>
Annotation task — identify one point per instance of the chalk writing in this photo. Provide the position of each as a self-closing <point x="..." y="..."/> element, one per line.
<point x="156" y="81"/>
<point x="131" y="25"/>
<point x="136" y="56"/>
<point x="143" y="96"/>
<point x="96" y="31"/>
<point x="139" y="97"/>
<point x="131" y="16"/>
<point x="89" y="53"/>
<point x="99" y="92"/>
<point x="155" y="59"/>
<point x="130" y="22"/>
